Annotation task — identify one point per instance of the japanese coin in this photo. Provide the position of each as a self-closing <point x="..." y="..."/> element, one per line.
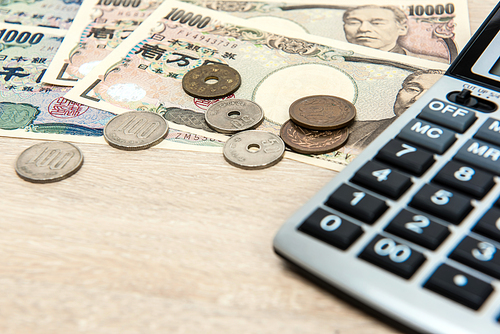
<point x="308" y="141"/>
<point x="230" y="116"/>
<point x="254" y="149"/>
<point x="49" y="162"/>
<point x="322" y="112"/>
<point x="211" y="81"/>
<point x="135" y="130"/>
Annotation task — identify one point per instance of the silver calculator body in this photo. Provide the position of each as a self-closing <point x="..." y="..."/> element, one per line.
<point x="424" y="250"/>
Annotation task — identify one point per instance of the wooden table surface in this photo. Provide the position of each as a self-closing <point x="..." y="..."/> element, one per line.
<point x="162" y="241"/>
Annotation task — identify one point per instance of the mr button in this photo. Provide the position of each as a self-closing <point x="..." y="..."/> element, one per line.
<point x="449" y="115"/>
<point x="430" y="136"/>
<point x="480" y="154"/>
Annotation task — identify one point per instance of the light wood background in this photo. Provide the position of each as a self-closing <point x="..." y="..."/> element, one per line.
<point x="161" y="241"/>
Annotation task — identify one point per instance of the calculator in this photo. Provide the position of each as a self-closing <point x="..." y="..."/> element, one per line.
<point x="411" y="227"/>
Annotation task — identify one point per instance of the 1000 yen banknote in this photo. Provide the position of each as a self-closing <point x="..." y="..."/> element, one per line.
<point x="28" y="105"/>
<point x="98" y="28"/>
<point x="31" y="109"/>
<point x="433" y="30"/>
<point x="43" y="13"/>
<point x="145" y="73"/>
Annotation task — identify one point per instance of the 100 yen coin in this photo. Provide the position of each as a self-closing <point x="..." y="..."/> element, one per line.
<point x="49" y="162"/>
<point x="322" y="112"/>
<point x="135" y="130"/>
<point x="254" y="149"/>
<point x="233" y="115"/>
<point x="307" y="141"/>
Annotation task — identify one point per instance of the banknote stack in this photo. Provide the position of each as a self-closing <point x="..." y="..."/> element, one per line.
<point x="68" y="68"/>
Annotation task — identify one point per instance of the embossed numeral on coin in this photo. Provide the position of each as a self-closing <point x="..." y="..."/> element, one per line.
<point x="53" y="159"/>
<point x="138" y="126"/>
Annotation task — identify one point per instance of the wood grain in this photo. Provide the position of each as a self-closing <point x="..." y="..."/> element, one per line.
<point x="161" y="241"/>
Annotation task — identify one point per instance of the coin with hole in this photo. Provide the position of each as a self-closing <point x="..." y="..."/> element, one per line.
<point x="49" y="162"/>
<point x="233" y="115"/>
<point x="254" y="149"/>
<point x="135" y="130"/>
<point x="211" y="81"/>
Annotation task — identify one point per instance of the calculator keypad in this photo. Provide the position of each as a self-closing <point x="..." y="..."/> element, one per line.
<point x="403" y="238"/>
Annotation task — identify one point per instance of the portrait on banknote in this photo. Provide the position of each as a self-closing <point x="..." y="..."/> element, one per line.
<point x="413" y="86"/>
<point x="436" y="31"/>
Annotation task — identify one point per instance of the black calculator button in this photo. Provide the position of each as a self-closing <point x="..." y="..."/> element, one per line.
<point x="395" y="257"/>
<point x="357" y="203"/>
<point x="449" y="115"/>
<point x="418" y="228"/>
<point x="331" y="229"/>
<point x="478" y="254"/>
<point x="382" y="179"/>
<point x="406" y="157"/>
<point x="467" y="179"/>
<point x="489" y="224"/>
<point x="442" y="203"/>
<point x="459" y="286"/>
<point x="480" y="154"/>
<point x="489" y="131"/>
<point x="433" y="137"/>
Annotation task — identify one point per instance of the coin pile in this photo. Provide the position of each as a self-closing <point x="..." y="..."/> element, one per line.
<point x="246" y="148"/>
<point x="318" y="124"/>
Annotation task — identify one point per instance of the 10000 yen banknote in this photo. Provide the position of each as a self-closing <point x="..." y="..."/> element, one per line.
<point x="145" y="72"/>
<point x="43" y="13"/>
<point x="31" y="109"/>
<point x="432" y="30"/>
<point x="98" y="28"/>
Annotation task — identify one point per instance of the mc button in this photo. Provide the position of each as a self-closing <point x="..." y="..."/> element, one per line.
<point x="428" y="135"/>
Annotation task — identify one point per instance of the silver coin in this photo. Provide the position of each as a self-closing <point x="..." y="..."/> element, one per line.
<point x="135" y="130"/>
<point x="49" y="162"/>
<point x="231" y="116"/>
<point x="254" y="149"/>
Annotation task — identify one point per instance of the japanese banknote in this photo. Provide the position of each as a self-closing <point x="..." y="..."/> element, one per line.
<point x="32" y="109"/>
<point x="432" y="30"/>
<point x="44" y="13"/>
<point x="145" y="73"/>
<point x="98" y="28"/>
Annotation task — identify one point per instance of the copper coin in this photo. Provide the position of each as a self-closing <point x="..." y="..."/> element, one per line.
<point x="322" y="112"/>
<point x="211" y="81"/>
<point x="307" y="141"/>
